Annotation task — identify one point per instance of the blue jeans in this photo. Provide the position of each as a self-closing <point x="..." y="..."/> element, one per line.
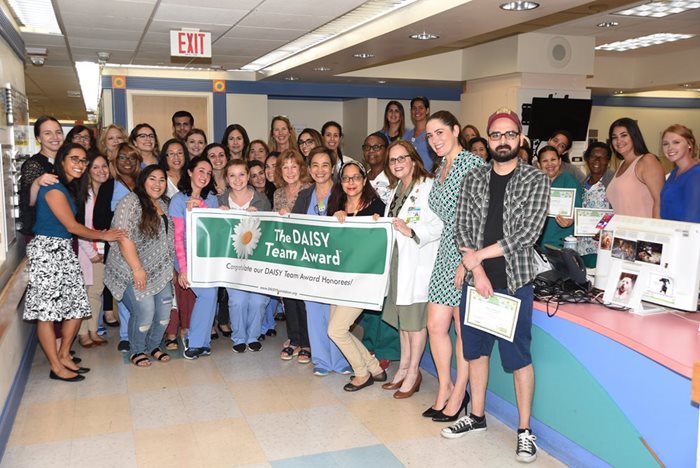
<point x="246" y="311"/>
<point x="123" y="311"/>
<point x="148" y="319"/>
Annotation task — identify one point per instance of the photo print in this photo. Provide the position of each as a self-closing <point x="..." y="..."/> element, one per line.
<point x="649" y="252"/>
<point x="624" y="288"/>
<point x="606" y="240"/>
<point x="624" y="249"/>
<point x="660" y="285"/>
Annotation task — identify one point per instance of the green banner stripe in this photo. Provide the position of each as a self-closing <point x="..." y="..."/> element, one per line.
<point x="336" y="248"/>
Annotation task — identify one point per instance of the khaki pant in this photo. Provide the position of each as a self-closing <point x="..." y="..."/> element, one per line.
<point x="94" y="292"/>
<point x="362" y="362"/>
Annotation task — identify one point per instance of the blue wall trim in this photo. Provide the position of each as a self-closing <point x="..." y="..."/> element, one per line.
<point x="9" y="412"/>
<point x="119" y="107"/>
<point x="283" y="90"/>
<point x="219" y="100"/>
<point x="654" y="102"/>
<point x="11" y="36"/>
<point x="346" y="91"/>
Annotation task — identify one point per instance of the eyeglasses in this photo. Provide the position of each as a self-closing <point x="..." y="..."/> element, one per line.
<point x="510" y="135"/>
<point x="123" y="157"/>
<point x="149" y="136"/>
<point x="305" y="142"/>
<point x="81" y="137"/>
<point x="355" y="178"/>
<point x="372" y="147"/>
<point x="77" y="160"/>
<point x="399" y="159"/>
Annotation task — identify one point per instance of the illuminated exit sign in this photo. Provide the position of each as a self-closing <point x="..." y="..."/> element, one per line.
<point x="190" y="43"/>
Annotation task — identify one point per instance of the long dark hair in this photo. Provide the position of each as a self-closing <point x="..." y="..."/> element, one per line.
<point x="244" y="134"/>
<point x="269" y="186"/>
<point x="135" y="132"/>
<point x="402" y="122"/>
<point x="163" y="156"/>
<point x="74" y="185"/>
<point x="216" y="145"/>
<point x="339" y="198"/>
<point x="85" y="182"/>
<point x="185" y="184"/>
<point x="640" y="147"/>
<point x="331" y="123"/>
<point x="150" y="221"/>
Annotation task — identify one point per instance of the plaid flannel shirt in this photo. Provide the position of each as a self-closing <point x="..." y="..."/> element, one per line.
<point x="526" y="203"/>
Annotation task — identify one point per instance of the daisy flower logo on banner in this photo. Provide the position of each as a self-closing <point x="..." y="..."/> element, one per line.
<point x="246" y="236"/>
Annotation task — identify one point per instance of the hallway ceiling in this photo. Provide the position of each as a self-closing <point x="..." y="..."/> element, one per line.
<point x="137" y="32"/>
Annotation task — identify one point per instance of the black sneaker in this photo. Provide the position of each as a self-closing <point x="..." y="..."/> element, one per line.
<point x="261" y="338"/>
<point x="526" y="452"/>
<point x="255" y="346"/>
<point x="123" y="346"/>
<point x="463" y="425"/>
<point x="239" y="348"/>
<point x="205" y="351"/>
<point x="191" y="353"/>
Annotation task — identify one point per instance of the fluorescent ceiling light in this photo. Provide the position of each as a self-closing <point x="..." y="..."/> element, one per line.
<point x="645" y="41"/>
<point x="660" y="9"/>
<point x="368" y="11"/>
<point x="36" y="16"/>
<point x="89" y="78"/>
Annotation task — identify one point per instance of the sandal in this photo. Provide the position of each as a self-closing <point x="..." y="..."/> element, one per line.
<point x="304" y="356"/>
<point x="287" y="353"/>
<point x="171" y="345"/>
<point x="140" y="360"/>
<point x="160" y="355"/>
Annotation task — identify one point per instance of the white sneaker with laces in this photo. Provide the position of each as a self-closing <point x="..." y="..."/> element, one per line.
<point x="526" y="452"/>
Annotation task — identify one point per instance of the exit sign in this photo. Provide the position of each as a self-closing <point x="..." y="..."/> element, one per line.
<point x="190" y="43"/>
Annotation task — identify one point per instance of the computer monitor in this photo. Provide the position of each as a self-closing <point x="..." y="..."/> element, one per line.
<point x="551" y="114"/>
<point x="652" y="260"/>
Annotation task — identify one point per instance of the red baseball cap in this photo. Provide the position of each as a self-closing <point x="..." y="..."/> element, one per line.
<point x="504" y="113"/>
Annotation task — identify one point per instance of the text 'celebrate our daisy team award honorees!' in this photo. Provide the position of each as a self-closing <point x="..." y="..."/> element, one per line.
<point x="298" y="256"/>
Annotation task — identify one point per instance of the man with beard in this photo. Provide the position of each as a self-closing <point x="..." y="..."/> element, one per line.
<point x="500" y="213"/>
<point x="183" y="122"/>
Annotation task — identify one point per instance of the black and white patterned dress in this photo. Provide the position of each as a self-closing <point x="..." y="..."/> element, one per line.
<point x="56" y="290"/>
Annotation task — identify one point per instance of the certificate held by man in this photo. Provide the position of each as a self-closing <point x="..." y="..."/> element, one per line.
<point x="561" y="202"/>
<point x="497" y="314"/>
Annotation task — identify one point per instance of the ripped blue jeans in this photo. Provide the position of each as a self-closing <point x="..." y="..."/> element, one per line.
<point x="149" y="318"/>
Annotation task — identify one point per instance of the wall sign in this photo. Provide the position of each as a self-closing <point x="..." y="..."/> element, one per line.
<point x="190" y="43"/>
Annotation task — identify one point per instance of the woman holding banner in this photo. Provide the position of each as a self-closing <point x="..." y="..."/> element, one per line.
<point x="353" y="195"/>
<point x="418" y="232"/>
<point x="246" y="309"/>
<point x="291" y="177"/>
<point x="314" y="201"/>
<point x="197" y="190"/>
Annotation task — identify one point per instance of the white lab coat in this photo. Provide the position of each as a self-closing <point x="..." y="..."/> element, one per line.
<point x="416" y="261"/>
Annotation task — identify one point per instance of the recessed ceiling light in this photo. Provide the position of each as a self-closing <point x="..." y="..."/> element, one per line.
<point x="322" y="69"/>
<point x="363" y="55"/>
<point x="618" y="92"/>
<point x="644" y="41"/>
<point x="608" y="24"/>
<point x="381" y="81"/>
<point x="291" y="78"/>
<point x="660" y="9"/>
<point x="519" y="6"/>
<point x="686" y="85"/>
<point x="424" y="36"/>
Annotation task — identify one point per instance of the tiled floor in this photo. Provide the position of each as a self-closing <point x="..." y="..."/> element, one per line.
<point x="229" y="410"/>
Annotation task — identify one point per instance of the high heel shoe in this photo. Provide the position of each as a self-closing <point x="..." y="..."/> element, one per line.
<point x="442" y="417"/>
<point x="392" y="385"/>
<point x="399" y="395"/>
<point x="430" y="412"/>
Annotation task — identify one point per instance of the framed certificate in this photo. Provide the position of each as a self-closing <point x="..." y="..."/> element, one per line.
<point x="561" y="202"/>
<point x="586" y="221"/>
<point x="497" y="314"/>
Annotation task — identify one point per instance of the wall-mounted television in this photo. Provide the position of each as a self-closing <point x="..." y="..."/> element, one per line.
<point x="547" y="115"/>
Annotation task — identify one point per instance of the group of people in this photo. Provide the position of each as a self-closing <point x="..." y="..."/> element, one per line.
<point x="466" y="210"/>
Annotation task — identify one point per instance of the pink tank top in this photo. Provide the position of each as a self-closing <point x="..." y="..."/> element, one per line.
<point x="628" y="195"/>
